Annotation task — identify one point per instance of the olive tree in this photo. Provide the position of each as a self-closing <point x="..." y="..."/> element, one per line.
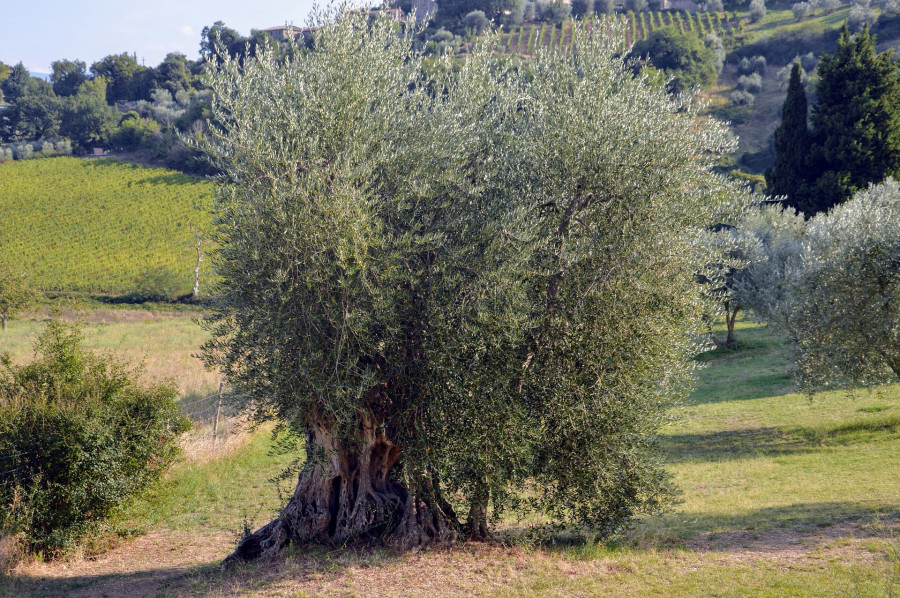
<point x="770" y="242"/>
<point x="846" y="314"/>
<point x="470" y="292"/>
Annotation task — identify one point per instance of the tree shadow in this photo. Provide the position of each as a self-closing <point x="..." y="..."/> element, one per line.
<point x="154" y="177"/>
<point x="293" y="564"/>
<point x="806" y="526"/>
<point x="730" y="445"/>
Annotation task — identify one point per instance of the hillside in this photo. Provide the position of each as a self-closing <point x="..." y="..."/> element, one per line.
<point x="101" y="226"/>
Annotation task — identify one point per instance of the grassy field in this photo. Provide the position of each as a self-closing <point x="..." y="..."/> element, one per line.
<point x="101" y="226"/>
<point x="782" y="496"/>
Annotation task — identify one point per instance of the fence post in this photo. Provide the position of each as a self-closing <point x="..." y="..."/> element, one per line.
<point x="218" y="407"/>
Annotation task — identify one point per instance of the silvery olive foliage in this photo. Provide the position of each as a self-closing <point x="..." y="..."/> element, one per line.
<point x="496" y="266"/>
<point x="770" y="242"/>
<point x="846" y="315"/>
<point x="831" y="285"/>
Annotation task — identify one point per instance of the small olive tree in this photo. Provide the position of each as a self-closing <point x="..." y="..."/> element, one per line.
<point x="770" y="241"/>
<point x="471" y="291"/>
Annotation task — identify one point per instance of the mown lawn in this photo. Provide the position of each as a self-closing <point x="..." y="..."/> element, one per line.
<point x="782" y="495"/>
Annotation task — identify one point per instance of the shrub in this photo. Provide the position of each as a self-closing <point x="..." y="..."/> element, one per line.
<point x="714" y="43"/>
<point x="860" y="15"/>
<point x="741" y="97"/>
<point x="752" y="64"/>
<point x="155" y="284"/>
<point x="604" y="7"/>
<point x="476" y="21"/>
<point x="757" y="10"/>
<point x="636" y="5"/>
<point x="801" y="10"/>
<point x="79" y="438"/>
<point x="751" y="83"/>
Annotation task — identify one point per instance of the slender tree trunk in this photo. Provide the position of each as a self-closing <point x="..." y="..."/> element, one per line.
<point x="730" y="317"/>
<point x="352" y="491"/>
<point x="3" y="320"/>
<point x="196" y="293"/>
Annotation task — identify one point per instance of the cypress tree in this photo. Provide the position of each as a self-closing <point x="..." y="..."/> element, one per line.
<point x="791" y="142"/>
<point x="856" y="122"/>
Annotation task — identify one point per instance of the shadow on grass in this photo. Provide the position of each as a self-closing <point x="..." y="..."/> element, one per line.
<point x="745" y="443"/>
<point x="771" y="529"/>
<point x="756" y="367"/>
<point x="202" y="580"/>
<point x="734" y="444"/>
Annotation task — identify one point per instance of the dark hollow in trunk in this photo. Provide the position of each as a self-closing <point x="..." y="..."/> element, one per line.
<point x="345" y="493"/>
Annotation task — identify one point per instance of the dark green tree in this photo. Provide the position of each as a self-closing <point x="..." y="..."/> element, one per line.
<point x="34" y="115"/>
<point x="67" y="76"/>
<point x="87" y="119"/>
<point x="173" y="73"/>
<point x="119" y="71"/>
<point x="582" y="8"/>
<point x="856" y="120"/>
<point x="218" y="40"/>
<point x="683" y="56"/>
<point x="789" y="176"/>
<point x="14" y="85"/>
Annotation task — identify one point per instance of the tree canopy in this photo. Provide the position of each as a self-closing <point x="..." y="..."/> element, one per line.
<point x="856" y="119"/>
<point x="469" y="292"/>
<point x="855" y="135"/>
<point x="683" y="56"/>
<point x="788" y="177"/>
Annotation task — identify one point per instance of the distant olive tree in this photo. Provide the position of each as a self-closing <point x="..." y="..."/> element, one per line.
<point x="468" y="302"/>
<point x="770" y="241"/>
<point x="830" y="285"/>
<point x="476" y="22"/>
<point x="757" y="10"/>
<point x="801" y="10"/>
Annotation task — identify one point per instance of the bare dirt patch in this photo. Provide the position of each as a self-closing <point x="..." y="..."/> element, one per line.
<point x="169" y="563"/>
<point x="145" y="566"/>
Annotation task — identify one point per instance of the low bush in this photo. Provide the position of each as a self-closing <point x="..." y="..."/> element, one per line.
<point x="79" y="438"/>
<point x="751" y="83"/>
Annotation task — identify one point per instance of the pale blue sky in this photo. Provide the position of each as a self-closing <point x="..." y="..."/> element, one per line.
<point x="37" y="32"/>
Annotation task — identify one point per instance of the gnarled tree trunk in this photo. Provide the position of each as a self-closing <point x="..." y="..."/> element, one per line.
<point x="346" y="492"/>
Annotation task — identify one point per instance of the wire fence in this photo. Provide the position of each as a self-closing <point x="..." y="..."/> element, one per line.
<point x="202" y="410"/>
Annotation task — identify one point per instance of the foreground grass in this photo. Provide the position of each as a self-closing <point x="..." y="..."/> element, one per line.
<point x="782" y="496"/>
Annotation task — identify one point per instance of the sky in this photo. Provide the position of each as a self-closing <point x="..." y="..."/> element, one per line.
<point x="37" y="32"/>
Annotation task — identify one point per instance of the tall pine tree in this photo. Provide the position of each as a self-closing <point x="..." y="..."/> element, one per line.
<point x="856" y="122"/>
<point x="789" y="177"/>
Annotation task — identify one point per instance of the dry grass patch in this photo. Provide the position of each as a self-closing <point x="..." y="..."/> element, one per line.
<point x="199" y="446"/>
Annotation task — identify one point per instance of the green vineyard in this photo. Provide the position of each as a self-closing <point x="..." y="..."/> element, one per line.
<point x="526" y="39"/>
<point x="101" y="226"/>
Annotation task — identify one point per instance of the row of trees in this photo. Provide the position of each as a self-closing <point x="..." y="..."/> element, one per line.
<point x="117" y="101"/>
<point x="851" y="138"/>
